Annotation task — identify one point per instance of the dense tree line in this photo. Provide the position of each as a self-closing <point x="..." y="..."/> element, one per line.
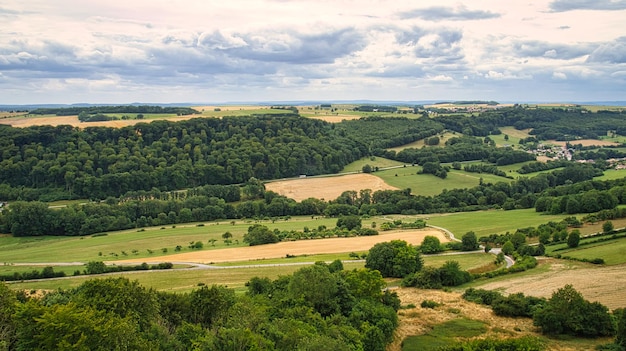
<point x="460" y="149"/>
<point x="134" y="109"/>
<point x="320" y="307"/>
<point x="47" y="162"/>
<point x="550" y="192"/>
<point x="378" y="133"/>
<point x="546" y="123"/>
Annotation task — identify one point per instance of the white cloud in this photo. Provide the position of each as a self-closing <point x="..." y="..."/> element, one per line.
<point x="120" y="51"/>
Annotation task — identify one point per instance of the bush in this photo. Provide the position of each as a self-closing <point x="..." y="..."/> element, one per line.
<point x="395" y="259"/>
<point x="567" y="312"/>
<point x="429" y="304"/>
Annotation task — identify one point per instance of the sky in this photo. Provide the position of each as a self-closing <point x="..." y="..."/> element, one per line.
<point x="207" y="51"/>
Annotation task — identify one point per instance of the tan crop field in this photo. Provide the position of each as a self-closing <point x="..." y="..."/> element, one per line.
<point x="327" y="188"/>
<point x="24" y="122"/>
<point x="604" y="284"/>
<point x="301" y="247"/>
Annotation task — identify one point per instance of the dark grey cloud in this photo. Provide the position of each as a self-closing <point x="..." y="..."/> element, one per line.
<point x="613" y="52"/>
<point x="604" y="5"/>
<point x="296" y="48"/>
<point x="537" y="48"/>
<point x="439" y="13"/>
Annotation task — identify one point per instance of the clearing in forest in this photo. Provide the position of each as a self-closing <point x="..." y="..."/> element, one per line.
<point x="326" y="188"/>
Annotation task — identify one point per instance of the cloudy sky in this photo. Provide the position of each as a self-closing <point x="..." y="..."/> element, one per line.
<point x="123" y="51"/>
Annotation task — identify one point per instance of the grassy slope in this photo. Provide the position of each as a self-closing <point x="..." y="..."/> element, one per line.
<point x="613" y="252"/>
<point x="429" y="185"/>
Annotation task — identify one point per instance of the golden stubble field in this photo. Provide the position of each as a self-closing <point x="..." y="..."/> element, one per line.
<point x="604" y="284"/>
<point x="327" y="188"/>
<point x="300" y="247"/>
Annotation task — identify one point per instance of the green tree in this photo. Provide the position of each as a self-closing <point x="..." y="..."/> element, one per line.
<point x="508" y="248"/>
<point x="395" y="258"/>
<point x="367" y="169"/>
<point x="71" y="327"/>
<point x="620" y="337"/>
<point x="124" y="298"/>
<point x="607" y="227"/>
<point x="518" y="239"/>
<point x="573" y="239"/>
<point x="431" y="245"/>
<point x="567" y="312"/>
<point x="469" y="242"/>
<point x="7" y="309"/>
<point x="349" y="222"/>
<point x="451" y="274"/>
<point x="259" y="234"/>
<point x="209" y="306"/>
<point x="317" y="287"/>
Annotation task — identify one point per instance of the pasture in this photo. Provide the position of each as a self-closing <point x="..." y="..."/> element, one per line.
<point x="612" y="251"/>
<point x="422" y="142"/>
<point x="374" y="161"/>
<point x="429" y="185"/>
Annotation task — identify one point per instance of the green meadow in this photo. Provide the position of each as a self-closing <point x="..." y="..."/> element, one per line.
<point x="612" y="251"/>
<point x="374" y="161"/>
<point x="429" y="185"/>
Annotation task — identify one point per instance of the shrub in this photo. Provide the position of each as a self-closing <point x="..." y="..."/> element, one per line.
<point x="429" y="304"/>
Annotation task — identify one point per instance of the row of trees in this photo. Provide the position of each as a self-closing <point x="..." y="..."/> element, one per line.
<point x="320" y="307"/>
<point x="141" y="209"/>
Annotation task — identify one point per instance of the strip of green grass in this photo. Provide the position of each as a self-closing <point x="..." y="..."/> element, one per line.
<point x="484" y="223"/>
<point x="612" y="174"/>
<point x="373" y="161"/>
<point x="445" y="334"/>
<point x="429" y="185"/>
<point x="613" y="251"/>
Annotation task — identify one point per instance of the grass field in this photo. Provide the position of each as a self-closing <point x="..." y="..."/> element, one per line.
<point x="445" y="334"/>
<point x="429" y="185"/>
<point x="612" y="174"/>
<point x="380" y="162"/>
<point x="188" y="279"/>
<point x="420" y="143"/>
<point x="613" y="251"/>
<point x="489" y="222"/>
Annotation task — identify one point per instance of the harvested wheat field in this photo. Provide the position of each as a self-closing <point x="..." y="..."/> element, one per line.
<point x="24" y="122"/>
<point x="301" y="247"/>
<point x="327" y="188"/>
<point x="334" y="118"/>
<point x="604" y="284"/>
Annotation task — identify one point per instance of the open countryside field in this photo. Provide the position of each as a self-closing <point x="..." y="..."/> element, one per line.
<point x="374" y="161"/>
<point x="453" y="308"/>
<point x="23" y="121"/>
<point x="613" y="252"/>
<point x="421" y="143"/>
<point x="300" y="247"/>
<point x="429" y="185"/>
<point x="604" y="284"/>
<point x="583" y="142"/>
<point x="228" y="274"/>
<point x="327" y="188"/>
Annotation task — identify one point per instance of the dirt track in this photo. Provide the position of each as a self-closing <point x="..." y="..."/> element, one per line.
<point x="301" y="247"/>
<point x="327" y="188"/>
